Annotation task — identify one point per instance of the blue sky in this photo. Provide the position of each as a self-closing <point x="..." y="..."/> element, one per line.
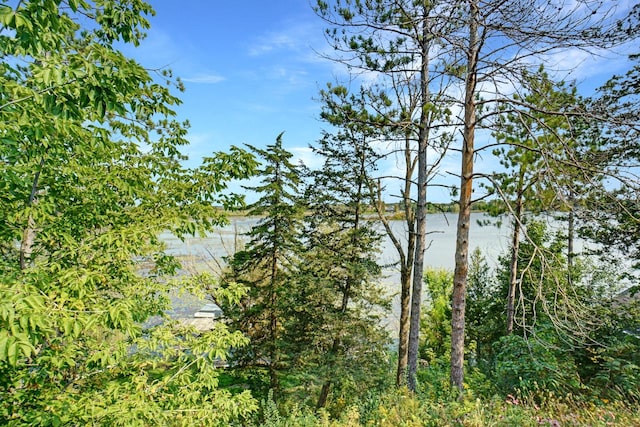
<point x="252" y="70"/>
<point x="249" y="69"/>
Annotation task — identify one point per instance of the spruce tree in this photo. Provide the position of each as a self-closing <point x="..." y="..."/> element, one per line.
<point x="267" y="265"/>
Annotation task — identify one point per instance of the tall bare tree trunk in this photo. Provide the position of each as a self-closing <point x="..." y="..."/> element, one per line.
<point x="403" y="332"/>
<point x="406" y="260"/>
<point x="458" y="304"/>
<point x="421" y="210"/>
<point x="406" y="264"/>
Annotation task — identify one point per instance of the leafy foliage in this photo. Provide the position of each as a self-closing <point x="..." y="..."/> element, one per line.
<point x="614" y="224"/>
<point x="574" y="338"/>
<point x="436" y="320"/>
<point x="531" y="366"/>
<point x="485" y="310"/>
<point x="312" y="310"/>
<point x="91" y="175"/>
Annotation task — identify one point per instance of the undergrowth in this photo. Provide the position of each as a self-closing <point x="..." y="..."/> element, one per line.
<point x="437" y="404"/>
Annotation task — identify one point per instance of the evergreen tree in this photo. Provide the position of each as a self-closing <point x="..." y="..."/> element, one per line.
<point x="524" y="38"/>
<point x="436" y="319"/>
<point x="615" y="222"/>
<point x="399" y="43"/>
<point x="337" y="306"/>
<point x="268" y="265"/>
<point x="544" y="169"/>
<point x="485" y="310"/>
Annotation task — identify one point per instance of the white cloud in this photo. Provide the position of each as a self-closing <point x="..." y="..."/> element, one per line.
<point x="204" y="78"/>
<point x="293" y="37"/>
<point x="273" y="42"/>
<point x="582" y="66"/>
<point x="306" y="156"/>
<point x="293" y="77"/>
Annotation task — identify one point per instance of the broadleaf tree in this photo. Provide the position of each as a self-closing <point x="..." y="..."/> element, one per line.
<point x="92" y="174"/>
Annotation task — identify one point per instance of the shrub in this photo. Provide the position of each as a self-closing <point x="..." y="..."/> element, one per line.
<point x="533" y="366"/>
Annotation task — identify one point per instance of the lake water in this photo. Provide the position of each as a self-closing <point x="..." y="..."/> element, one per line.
<point x="208" y="253"/>
<point x="441" y="239"/>
<point x="440" y="253"/>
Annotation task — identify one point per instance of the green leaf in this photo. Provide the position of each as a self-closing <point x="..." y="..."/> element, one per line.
<point x="12" y="352"/>
<point x="7" y="16"/>
<point x="4" y="342"/>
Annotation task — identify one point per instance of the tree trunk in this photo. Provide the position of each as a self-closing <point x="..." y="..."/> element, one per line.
<point x="403" y="333"/>
<point x="513" y="266"/>
<point x="421" y="211"/>
<point x="458" y="304"/>
<point x="324" y="394"/>
<point x="406" y="265"/>
<point x="26" y="245"/>
<point x="29" y="234"/>
<point x="406" y="261"/>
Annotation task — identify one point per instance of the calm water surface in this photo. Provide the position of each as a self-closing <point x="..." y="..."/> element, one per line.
<point x="441" y="239"/>
<point x="208" y="253"/>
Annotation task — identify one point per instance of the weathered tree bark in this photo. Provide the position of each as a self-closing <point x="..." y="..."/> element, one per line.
<point x="406" y="259"/>
<point x="421" y="209"/>
<point x="458" y="304"/>
<point x="403" y="332"/>
<point x="406" y="267"/>
<point x="26" y="245"/>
